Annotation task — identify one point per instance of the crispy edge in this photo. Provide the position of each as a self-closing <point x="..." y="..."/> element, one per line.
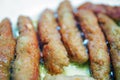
<point x="70" y="34"/>
<point x="7" y="48"/>
<point x="112" y="32"/>
<point x="52" y="39"/>
<point x="47" y="33"/>
<point x="99" y="57"/>
<point x="26" y="65"/>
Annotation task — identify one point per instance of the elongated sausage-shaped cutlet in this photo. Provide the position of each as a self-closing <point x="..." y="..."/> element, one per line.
<point x="99" y="57"/>
<point x="112" y="11"/>
<point x="7" y="49"/>
<point x="54" y="53"/>
<point x="112" y="32"/>
<point x="70" y="34"/>
<point x="26" y="65"/>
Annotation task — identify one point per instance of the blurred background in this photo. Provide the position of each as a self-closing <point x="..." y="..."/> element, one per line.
<point x="32" y="8"/>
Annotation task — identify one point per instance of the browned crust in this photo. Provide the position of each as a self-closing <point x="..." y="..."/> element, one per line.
<point x="99" y="57"/>
<point x="26" y="65"/>
<point x="7" y="49"/>
<point x="112" y="32"/>
<point x="54" y="53"/>
<point x="113" y="12"/>
<point x="47" y="27"/>
<point x="70" y="34"/>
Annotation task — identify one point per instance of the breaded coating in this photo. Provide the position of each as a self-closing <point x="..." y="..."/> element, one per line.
<point x="70" y="35"/>
<point x="7" y="49"/>
<point x="26" y="65"/>
<point x="54" y="53"/>
<point x="99" y="57"/>
<point x="63" y="77"/>
<point x="112" y="32"/>
<point x="47" y="27"/>
<point x="113" y="12"/>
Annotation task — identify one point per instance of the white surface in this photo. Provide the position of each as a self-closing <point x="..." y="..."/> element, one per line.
<point x="13" y="8"/>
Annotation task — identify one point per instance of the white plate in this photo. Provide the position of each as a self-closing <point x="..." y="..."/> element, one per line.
<point x="32" y="8"/>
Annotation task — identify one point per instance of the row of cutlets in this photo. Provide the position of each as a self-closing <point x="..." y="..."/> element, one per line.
<point x="64" y="45"/>
<point x="105" y="17"/>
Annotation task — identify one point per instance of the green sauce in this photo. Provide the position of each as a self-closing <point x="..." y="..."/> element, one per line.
<point x="118" y="23"/>
<point x="72" y="69"/>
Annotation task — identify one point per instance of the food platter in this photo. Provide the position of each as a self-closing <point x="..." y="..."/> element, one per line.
<point x="12" y="9"/>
